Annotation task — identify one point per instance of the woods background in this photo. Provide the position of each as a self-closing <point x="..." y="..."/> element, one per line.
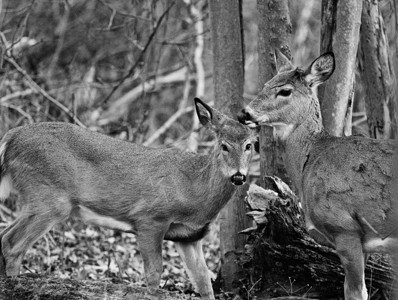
<point x="130" y="69"/>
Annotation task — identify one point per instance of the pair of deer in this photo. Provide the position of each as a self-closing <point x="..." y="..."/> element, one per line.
<point x="61" y="170"/>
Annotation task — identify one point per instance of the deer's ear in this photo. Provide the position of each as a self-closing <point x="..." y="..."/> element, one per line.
<point x="320" y="69"/>
<point x="205" y="112"/>
<point x="208" y="116"/>
<point x="257" y="145"/>
<point x="282" y="62"/>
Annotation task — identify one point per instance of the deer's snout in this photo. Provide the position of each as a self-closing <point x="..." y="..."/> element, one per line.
<point x="238" y="178"/>
<point x="244" y="116"/>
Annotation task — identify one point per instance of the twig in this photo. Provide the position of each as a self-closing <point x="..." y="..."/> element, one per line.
<point x="119" y="106"/>
<point x="17" y="95"/>
<point x="111" y="19"/>
<point x="185" y="93"/>
<point x="28" y="92"/>
<point x="359" y="121"/>
<point x="167" y="124"/>
<point x="141" y="55"/>
<point x="18" y="109"/>
<point x="36" y="87"/>
<point x="114" y="11"/>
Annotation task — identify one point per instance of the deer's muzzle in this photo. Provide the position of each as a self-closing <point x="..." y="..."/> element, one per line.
<point x="238" y="178"/>
<point x="246" y="118"/>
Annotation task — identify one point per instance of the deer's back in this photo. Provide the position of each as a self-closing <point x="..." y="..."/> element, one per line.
<point x="93" y="168"/>
<point x="346" y="185"/>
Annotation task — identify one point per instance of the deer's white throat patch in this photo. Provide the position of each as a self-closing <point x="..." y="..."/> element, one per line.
<point x="282" y="130"/>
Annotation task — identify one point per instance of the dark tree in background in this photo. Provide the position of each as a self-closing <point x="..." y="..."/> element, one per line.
<point x="341" y="21"/>
<point x="378" y="75"/>
<point x="228" y="79"/>
<point x="274" y="32"/>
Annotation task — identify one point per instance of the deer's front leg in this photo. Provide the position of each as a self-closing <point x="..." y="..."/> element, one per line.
<point x="195" y="264"/>
<point x="150" y="245"/>
<point x="349" y="249"/>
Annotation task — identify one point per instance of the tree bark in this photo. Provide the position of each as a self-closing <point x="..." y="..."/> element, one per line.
<point x="389" y="11"/>
<point x="228" y="78"/>
<point x="228" y="64"/>
<point x="377" y="73"/>
<point x="339" y="33"/>
<point x="40" y="287"/>
<point x="274" y="32"/>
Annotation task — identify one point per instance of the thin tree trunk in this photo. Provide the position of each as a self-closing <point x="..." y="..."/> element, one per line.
<point x="377" y="73"/>
<point x="274" y="32"/>
<point x="228" y="77"/>
<point x="340" y="33"/>
<point x="389" y="11"/>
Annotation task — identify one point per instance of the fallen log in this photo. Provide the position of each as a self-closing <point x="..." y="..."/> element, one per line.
<point x="30" y="286"/>
<point x="288" y="262"/>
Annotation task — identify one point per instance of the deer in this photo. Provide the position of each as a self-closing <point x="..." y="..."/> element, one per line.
<point x="344" y="183"/>
<point x="60" y="170"/>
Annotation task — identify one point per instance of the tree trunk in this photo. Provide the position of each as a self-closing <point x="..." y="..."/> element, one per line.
<point x="289" y="262"/>
<point x="274" y="32"/>
<point x="228" y="77"/>
<point x="339" y="33"/>
<point x="389" y="11"/>
<point x="377" y="73"/>
<point x="40" y="287"/>
<point x="228" y="64"/>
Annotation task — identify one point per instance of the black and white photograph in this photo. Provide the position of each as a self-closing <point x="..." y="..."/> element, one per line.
<point x="199" y="149"/>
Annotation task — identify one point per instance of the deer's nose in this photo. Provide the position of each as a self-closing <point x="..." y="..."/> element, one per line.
<point x="244" y="116"/>
<point x="238" y="178"/>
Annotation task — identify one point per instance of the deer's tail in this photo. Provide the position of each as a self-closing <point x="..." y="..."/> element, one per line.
<point x="5" y="179"/>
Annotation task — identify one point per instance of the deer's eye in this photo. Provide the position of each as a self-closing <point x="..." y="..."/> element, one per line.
<point x="284" y="93"/>
<point x="248" y="146"/>
<point x="224" y="148"/>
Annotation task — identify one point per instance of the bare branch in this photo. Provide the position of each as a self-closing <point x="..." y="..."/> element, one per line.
<point x="119" y="107"/>
<point x="116" y="12"/>
<point x="17" y="95"/>
<point x="167" y="125"/>
<point x="140" y="56"/>
<point x="20" y="110"/>
<point x="33" y="85"/>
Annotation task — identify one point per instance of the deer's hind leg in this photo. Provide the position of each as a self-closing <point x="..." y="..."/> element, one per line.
<point x="37" y="217"/>
<point x="2" y="258"/>
<point x="149" y="239"/>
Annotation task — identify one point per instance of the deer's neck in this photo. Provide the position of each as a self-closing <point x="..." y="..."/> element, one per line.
<point x="213" y="185"/>
<point x="299" y="143"/>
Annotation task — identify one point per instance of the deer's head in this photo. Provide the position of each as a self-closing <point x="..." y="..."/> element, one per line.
<point x="288" y="98"/>
<point x="235" y="142"/>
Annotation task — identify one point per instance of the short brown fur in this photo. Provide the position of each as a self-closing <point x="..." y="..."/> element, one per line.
<point x="344" y="182"/>
<point x="61" y="170"/>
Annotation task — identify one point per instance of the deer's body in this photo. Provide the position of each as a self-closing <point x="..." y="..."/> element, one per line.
<point x="62" y="171"/>
<point x="361" y="174"/>
<point x="344" y="183"/>
<point x="90" y="170"/>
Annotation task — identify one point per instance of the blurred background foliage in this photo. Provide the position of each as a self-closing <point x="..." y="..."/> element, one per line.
<point x="121" y="67"/>
<point x="124" y="68"/>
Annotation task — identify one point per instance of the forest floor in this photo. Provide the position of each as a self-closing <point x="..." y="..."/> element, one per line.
<point x="76" y="251"/>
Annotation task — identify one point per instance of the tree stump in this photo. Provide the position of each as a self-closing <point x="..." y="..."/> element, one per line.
<point x="286" y="261"/>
